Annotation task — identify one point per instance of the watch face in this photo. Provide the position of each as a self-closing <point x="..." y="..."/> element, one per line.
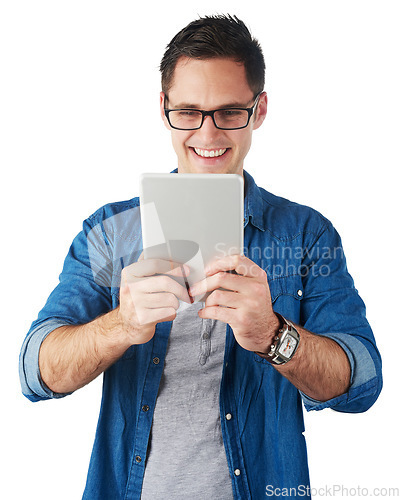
<point x="288" y="346"/>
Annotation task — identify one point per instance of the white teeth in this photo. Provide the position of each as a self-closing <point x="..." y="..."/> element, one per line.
<point x="207" y="153"/>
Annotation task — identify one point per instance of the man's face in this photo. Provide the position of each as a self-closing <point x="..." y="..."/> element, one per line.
<point x="211" y="84"/>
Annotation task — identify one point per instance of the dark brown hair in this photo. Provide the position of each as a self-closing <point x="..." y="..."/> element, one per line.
<point x="212" y="37"/>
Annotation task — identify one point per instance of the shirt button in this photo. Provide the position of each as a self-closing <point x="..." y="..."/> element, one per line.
<point x="299" y="293"/>
<point x="156" y="360"/>
<point x="138" y="459"/>
<point x="145" y="407"/>
<point x="237" y="472"/>
<point x="228" y="416"/>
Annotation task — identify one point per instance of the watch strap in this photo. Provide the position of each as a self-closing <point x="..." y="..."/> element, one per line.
<point x="286" y="328"/>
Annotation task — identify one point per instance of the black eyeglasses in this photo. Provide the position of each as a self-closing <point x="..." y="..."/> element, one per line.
<point x="224" y="119"/>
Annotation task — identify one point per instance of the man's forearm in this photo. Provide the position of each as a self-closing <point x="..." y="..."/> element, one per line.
<point x="320" y="368"/>
<point x="72" y="356"/>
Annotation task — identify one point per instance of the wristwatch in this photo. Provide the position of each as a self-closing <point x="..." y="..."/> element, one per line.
<point x="285" y="343"/>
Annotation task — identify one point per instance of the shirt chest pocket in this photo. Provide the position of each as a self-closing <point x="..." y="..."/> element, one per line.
<point x="286" y="295"/>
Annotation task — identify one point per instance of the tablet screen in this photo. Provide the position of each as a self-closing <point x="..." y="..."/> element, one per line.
<point x="191" y="218"/>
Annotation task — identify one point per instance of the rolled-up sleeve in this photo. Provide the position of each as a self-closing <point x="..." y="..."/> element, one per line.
<point x="333" y="308"/>
<point x="32" y="384"/>
<point x="365" y="380"/>
<point x="79" y="298"/>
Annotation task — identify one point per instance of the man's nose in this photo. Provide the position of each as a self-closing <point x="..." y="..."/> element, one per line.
<point x="208" y="130"/>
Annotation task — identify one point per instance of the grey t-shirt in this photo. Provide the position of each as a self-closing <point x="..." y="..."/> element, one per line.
<point x="186" y="457"/>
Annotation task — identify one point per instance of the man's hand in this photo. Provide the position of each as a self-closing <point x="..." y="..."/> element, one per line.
<point x="320" y="367"/>
<point x="245" y="300"/>
<point x="149" y="294"/>
<point x="73" y="355"/>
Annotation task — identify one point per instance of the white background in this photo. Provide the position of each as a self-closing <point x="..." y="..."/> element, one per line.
<point x="79" y="122"/>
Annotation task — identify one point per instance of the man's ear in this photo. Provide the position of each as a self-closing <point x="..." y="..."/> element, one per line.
<point x="261" y="111"/>
<point x="162" y="105"/>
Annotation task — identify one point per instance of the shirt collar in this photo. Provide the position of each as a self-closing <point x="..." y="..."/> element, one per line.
<point x="253" y="203"/>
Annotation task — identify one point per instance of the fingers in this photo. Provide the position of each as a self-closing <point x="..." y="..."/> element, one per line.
<point x="149" y="267"/>
<point x="157" y="300"/>
<point x="151" y="291"/>
<point x="149" y="294"/>
<point x="219" y="313"/>
<point x="238" y="263"/>
<point x="147" y="308"/>
<point x="161" y="283"/>
<point x="218" y="280"/>
<point x="156" y="275"/>
<point x="224" y="298"/>
<point x="153" y="316"/>
<point x="235" y="272"/>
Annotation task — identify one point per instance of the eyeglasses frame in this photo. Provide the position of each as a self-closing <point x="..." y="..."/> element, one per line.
<point x="250" y="112"/>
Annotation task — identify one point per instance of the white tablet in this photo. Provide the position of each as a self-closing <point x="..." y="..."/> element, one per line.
<point x="191" y="218"/>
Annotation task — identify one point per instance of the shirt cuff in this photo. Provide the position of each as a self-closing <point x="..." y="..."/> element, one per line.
<point x="32" y="384"/>
<point x="363" y="372"/>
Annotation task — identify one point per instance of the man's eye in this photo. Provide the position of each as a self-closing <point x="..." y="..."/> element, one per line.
<point x="187" y="114"/>
<point x="231" y="113"/>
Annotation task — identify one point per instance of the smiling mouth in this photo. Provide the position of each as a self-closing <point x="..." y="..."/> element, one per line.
<point x="209" y="153"/>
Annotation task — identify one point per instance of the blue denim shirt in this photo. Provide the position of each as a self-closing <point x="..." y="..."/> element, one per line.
<point x="263" y="435"/>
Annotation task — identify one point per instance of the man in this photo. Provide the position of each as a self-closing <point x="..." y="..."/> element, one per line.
<point x="206" y="402"/>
